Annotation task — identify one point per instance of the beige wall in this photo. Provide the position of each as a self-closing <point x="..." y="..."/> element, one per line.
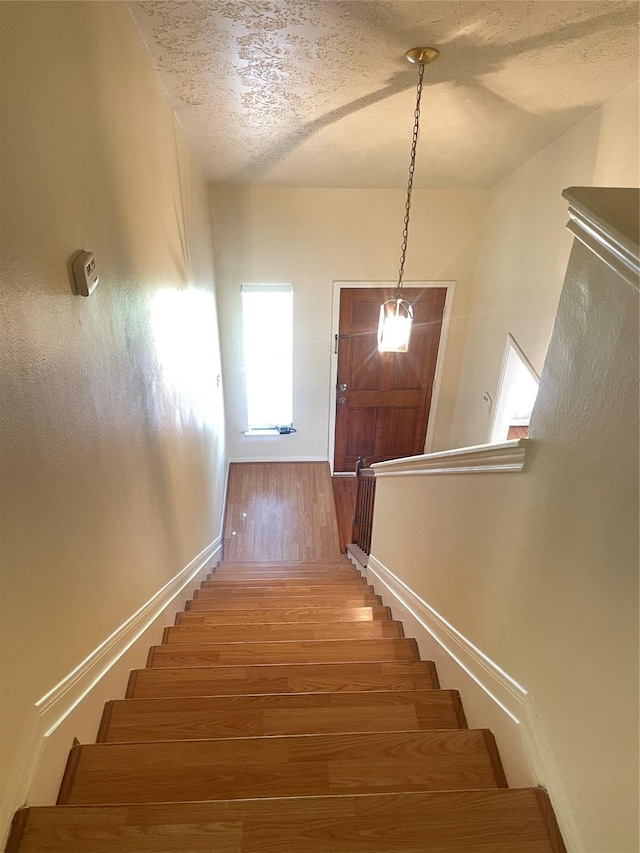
<point x="525" y="249"/>
<point x="311" y="238"/>
<point x="112" y="425"/>
<point x="539" y="570"/>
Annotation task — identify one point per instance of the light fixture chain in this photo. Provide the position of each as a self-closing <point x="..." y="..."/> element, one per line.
<point x="412" y="167"/>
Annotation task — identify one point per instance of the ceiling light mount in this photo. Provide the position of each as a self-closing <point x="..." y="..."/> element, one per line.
<point x="422" y="55"/>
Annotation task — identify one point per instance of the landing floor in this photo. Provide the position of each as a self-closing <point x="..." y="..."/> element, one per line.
<point x="280" y="511"/>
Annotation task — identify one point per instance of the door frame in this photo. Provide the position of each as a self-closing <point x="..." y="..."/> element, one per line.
<point x="437" y="381"/>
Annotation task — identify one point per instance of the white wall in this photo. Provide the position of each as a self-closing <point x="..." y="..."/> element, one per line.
<point x="113" y="456"/>
<point x="311" y="238"/>
<point x="539" y="570"/>
<point x="525" y="249"/>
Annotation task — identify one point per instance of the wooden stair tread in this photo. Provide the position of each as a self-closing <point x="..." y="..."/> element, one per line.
<point x="131" y="720"/>
<point x="276" y="582"/>
<point x="283" y="651"/>
<point x="292" y="613"/>
<point x="328" y="566"/>
<point x="487" y="821"/>
<point x="281" y="631"/>
<point x="283" y="678"/>
<point x="262" y="590"/>
<point x="339" y="561"/>
<point x="319" y="601"/>
<point x="335" y="575"/>
<point x="293" y="765"/>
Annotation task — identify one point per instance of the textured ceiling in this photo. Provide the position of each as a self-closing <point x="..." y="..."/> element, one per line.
<point x="318" y="94"/>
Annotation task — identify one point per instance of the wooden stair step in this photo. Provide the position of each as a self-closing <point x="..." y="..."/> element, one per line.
<point x="293" y="613"/>
<point x="329" y="566"/>
<point x="300" y="585"/>
<point x="266" y="590"/>
<point x="281" y="631"/>
<point x="517" y="820"/>
<point x="336" y="575"/>
<point x="135" y="720"/>
<point x="273" y="571"/>
<point x="339" y="562"/>
<point x="228" y="604"/>
<point x="283" y="678"/>
<point x="276" y="582"/>
<point x="300" y="765"/>
<point x="283" y="651"/>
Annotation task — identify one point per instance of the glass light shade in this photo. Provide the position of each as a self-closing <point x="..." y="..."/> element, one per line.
<point x="394" y="326"/>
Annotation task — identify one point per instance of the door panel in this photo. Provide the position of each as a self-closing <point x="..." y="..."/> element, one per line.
<point x="361" y="432"/>
<point x="385" y="405"/>
<point x="402" y="429"/>
<point x="366" y="372"/>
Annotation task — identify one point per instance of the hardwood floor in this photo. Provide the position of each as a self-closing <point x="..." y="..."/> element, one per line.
<point x="280" y="511"/>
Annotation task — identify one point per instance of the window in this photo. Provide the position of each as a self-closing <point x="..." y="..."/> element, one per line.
<point x="516" y="395"/>
<point x="267" y="320"/>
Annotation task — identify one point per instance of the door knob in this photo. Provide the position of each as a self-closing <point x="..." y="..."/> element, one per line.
<point x="342" y="386"/>
<point x="342" y="401"/>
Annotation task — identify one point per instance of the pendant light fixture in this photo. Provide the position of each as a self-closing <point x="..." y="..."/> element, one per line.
<point x="396" y="315"/>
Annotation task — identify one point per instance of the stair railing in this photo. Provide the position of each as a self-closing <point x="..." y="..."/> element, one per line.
<point x="365" y="498"/>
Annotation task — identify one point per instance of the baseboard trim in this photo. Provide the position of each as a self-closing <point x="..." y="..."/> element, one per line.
<point x="510" y="697"/>
<point x="49" y="712"/>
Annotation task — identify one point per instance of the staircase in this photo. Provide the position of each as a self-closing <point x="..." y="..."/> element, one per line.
<point x="286" y="711"/>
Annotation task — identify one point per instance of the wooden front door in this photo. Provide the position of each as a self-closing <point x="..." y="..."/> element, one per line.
<point x="383" y="399"/>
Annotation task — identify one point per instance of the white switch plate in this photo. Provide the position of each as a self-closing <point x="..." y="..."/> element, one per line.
<point x="85" y="274"/>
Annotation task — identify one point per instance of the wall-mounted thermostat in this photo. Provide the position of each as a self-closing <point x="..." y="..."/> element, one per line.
<point x="85" y="274"/>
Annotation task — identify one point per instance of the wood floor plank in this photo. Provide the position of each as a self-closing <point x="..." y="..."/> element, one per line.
<point x="286" y="651"/>
<point x="228" y="605"/>
<point x="300" y="613"/>
<point x="283" y="678"/>
<point x="137" y="720"/>
<point x="307" y="765"/>
<point x="488" y="821"/>
<point x="281" y="631"/>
